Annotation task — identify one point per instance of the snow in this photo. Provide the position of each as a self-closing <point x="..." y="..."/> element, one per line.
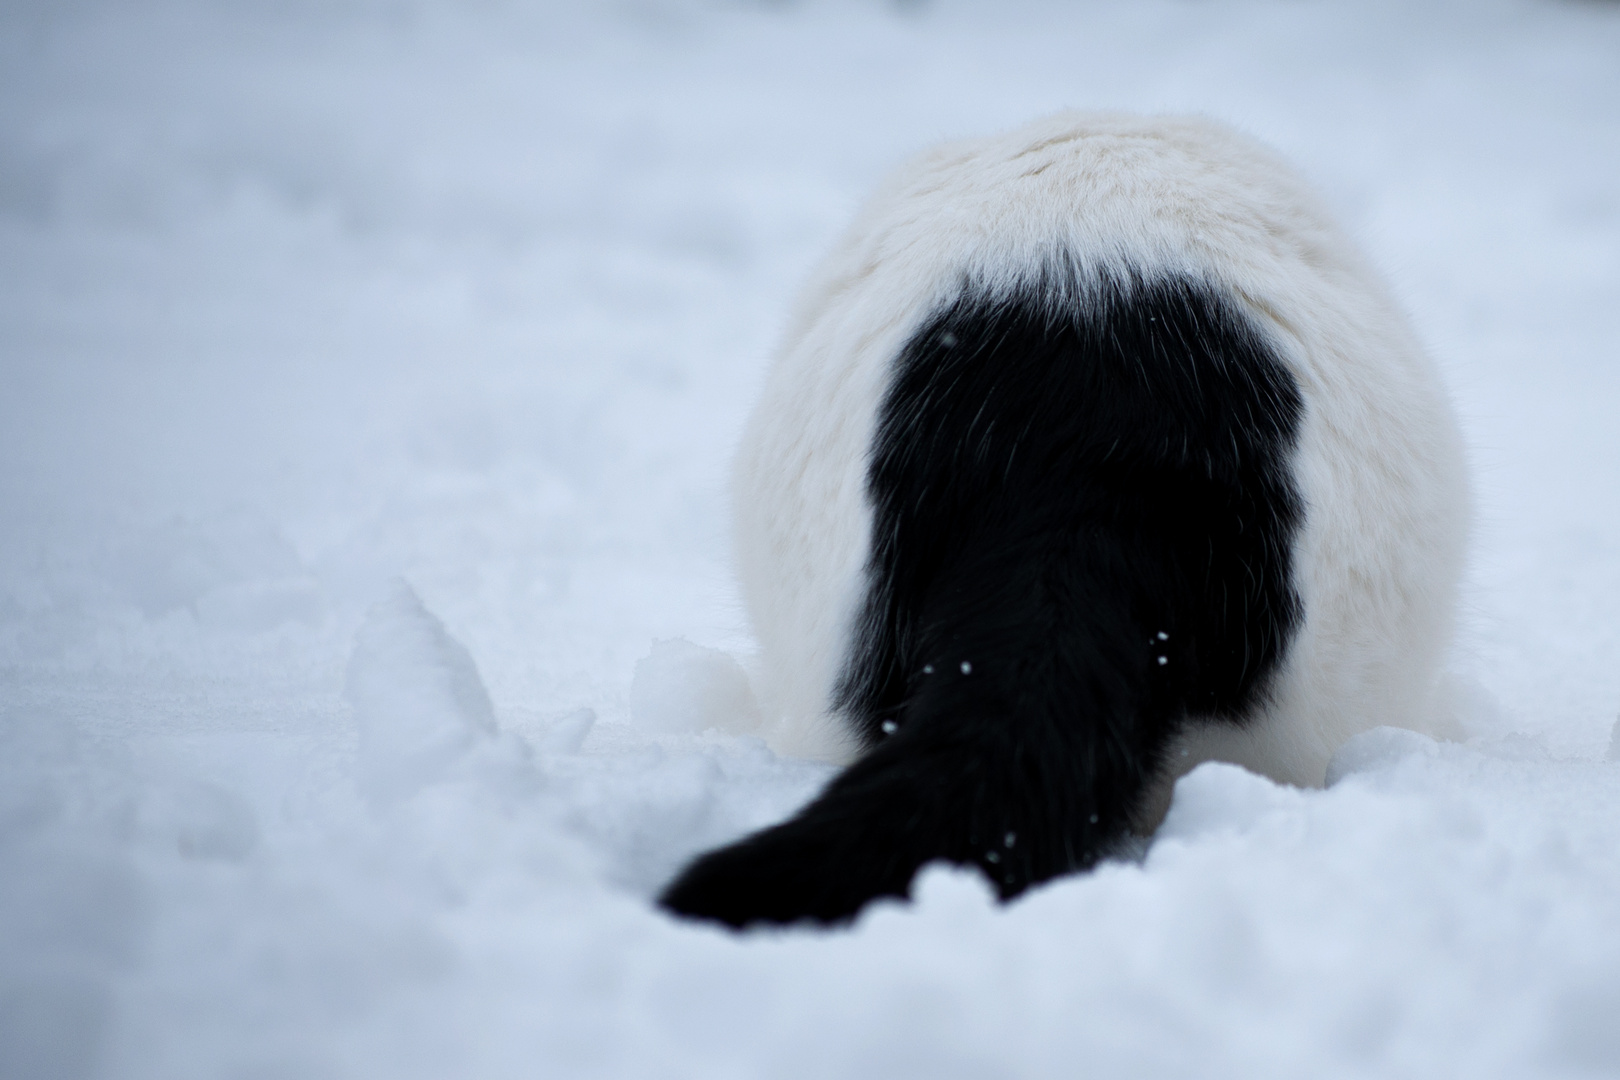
<point x="679" y="686"/>
<point x="417" y="699"/>
<point x="368" y="652"/>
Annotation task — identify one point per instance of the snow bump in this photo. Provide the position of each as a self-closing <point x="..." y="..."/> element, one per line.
<point x="416" y="694"/>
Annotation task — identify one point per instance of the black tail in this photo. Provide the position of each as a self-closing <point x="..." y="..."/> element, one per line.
<point x="1083" y="518"/>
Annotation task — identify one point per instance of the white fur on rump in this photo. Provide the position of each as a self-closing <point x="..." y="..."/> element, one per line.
<point x="1379" y="461"/>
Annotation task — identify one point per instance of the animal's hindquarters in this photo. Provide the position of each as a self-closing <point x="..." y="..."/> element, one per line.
<point x="896" y="521"/>
<point x="1082" y="528"/>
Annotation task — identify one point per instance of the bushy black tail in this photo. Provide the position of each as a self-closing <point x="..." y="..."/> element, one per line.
<point x="1082" y="525"/>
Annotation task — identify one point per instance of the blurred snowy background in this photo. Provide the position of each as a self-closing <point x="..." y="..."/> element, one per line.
<point x="302" y="300"/>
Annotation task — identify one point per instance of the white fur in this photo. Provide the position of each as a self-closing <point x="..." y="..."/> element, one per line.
<point x="1379" y="460"/>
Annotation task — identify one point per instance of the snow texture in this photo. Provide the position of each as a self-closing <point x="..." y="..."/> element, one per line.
<point x="417" y="699"/>
<point x="680" y="686"/>
<point x="298" y="300"/>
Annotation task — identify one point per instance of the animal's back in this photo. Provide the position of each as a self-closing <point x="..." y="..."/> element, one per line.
<point x="1093" y="443"/>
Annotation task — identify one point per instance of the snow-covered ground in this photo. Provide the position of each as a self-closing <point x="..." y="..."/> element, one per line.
<point x="303" y="301"/>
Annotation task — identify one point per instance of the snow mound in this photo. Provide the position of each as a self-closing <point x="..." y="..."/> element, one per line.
<point x="1219" y="798"/>
<point x="1378" y="749"/>
<point x="417" y="697"/>
<point x="567" y="733"/>
<point x="682" y="687"/>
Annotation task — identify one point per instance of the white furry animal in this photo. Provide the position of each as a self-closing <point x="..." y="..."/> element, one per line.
<point x="1095" y="450"/>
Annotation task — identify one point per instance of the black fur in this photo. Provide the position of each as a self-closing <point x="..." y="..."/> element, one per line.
<point x="1083" y="518"/>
